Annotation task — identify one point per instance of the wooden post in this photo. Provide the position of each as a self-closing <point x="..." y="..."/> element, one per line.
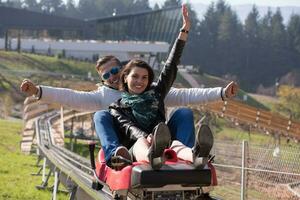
<point x="62" y="128"/>
<point x="6" y="40"/>
<point x="19" y="42"/>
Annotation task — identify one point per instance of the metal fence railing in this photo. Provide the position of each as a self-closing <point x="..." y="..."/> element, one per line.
<point x="255" y="172"/>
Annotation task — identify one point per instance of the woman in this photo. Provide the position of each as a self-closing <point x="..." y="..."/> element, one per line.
<point x="139" y="115"/>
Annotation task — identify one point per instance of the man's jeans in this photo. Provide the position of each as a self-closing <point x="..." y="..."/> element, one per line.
<point x="181" y="125"/>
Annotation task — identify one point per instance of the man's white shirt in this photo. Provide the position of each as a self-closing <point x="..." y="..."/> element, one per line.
<point x="100" y="99"/>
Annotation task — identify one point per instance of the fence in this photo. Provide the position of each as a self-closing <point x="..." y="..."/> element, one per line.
<point x="258" y="118"/>
<point x="247" y="171"/>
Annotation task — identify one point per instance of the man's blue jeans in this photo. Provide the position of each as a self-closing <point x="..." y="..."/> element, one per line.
<point x="181" y="125"/>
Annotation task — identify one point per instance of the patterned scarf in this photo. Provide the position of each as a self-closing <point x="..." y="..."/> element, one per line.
<point x="144" y="107"/>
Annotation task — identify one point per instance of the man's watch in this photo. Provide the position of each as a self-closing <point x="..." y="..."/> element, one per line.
<point x="38" y="95"/>
<point x="223" y="94"/>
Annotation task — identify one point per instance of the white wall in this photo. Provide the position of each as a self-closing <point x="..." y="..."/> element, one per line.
<point x="124" y="50"/>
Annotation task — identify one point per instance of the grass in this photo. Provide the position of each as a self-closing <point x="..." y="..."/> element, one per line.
<point x="14" y="67"/>
<point x="252" y="101"/>
<point x="80" y="147"/>
<point x="27" y="61"/>
<point x="226" y="131"/>
<point x="233" y="192"/>
<point x="181" y="82"/>
<point x="267" y="101"/>
<point x="17" y="183"/>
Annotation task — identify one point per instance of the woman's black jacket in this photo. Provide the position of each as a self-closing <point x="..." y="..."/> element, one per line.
<point x="126" y="125"/>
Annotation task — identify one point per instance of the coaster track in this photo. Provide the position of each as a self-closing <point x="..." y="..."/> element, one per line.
<point x="75" y="172"/>
<point x="69" y="168"/>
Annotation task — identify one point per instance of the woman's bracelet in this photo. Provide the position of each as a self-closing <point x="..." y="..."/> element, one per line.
<point x="182" y="30"/>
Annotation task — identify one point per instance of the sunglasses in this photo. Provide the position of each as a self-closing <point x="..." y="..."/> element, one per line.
<point x="113" y="71"/>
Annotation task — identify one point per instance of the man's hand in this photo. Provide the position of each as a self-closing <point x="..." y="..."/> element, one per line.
<point x="231" y="90"/>
<point x="28" y="87"/>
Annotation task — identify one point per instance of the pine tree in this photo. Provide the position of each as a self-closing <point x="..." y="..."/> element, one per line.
<point x="293" y="32"/>
<point x="88" y="9"/>
<point x="251" y="46"/>
<point x="71" y="10"/>
<point x="171" y="3"/>
<point x="32" y="5"/>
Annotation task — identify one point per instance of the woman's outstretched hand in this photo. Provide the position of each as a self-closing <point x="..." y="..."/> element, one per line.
<point x="28" y="87"/>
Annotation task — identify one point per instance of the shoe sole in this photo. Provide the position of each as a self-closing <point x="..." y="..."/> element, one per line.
<point x="122" y="151"/>
<point x="121" y="158"/>
<point x="205" y="140"/>
<point x="161" y="140"/>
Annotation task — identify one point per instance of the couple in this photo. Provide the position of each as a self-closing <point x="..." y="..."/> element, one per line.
<point x="130" y="121"/>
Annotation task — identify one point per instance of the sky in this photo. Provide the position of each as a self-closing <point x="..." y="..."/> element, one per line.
<point x="271" y="3"/>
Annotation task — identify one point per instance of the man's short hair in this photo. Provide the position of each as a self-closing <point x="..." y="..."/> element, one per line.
<point x="101" y="61"/>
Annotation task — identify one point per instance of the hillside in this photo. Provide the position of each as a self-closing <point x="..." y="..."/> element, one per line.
<point x="14" y="67"/>
<point x="206" y="80"/>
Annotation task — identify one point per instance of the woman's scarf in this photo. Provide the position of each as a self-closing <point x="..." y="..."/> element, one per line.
<point x="144" y="107"/>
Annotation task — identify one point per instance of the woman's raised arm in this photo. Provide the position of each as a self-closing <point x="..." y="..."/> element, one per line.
<point x="186" y="23"/>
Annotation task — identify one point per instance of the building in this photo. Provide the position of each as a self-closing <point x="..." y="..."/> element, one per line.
<point x="126" y="36"/>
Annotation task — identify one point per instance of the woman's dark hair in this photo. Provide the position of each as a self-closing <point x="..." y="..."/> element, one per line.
<point x="127" y="69"/>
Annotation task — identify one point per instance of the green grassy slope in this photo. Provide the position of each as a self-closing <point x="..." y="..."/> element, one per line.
<point x="26" y="61"/>
<point x="16" y="181"/>
<point x="212" y="81"/>
<point x="14" y="67"/>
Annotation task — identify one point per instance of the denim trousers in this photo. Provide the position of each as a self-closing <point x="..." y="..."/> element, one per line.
<point x="181" y="125"/>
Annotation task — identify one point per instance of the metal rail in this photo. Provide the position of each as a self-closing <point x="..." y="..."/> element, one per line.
<point x="68" y="168"/>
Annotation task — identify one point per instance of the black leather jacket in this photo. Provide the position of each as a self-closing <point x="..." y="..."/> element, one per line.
<point x="127" y="126"/>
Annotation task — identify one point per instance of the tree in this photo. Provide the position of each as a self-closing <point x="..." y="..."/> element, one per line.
<point x="156" y="7"/>
<point x="141" y="5"/>
<point x="13" y="3"/>
<point x="251" y="46"/>
<point x="280" y="57"/>
<point x="215" y="34"/>
<point x="190" y="54"/>
<point x="208" y="33"/>
<point x="289" y="98"/>
<point x="251" y="27"/>
<point x="53" y="6"/>
<point x="278" y="33"/>
<point x="229" y="41"/>
<point x="293" y="32"/>
<point x="32" y="5"/>
<point x="171" y="3"/>
<point x="88" y="9"/>
<point x="71" y="10"/>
